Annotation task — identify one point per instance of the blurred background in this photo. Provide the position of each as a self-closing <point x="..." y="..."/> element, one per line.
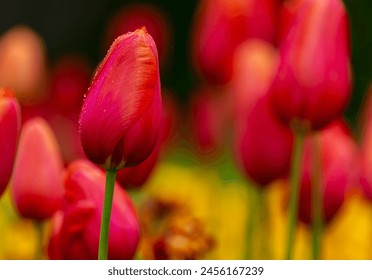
<point x="207" y="199"/>
<point x="78" y="26"/>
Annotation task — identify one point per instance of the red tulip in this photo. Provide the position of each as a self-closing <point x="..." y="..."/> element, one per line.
<point x="37" y="177"/>
<point x="287" y="13"/>
<point x="121" y="114"/>
<point x="313" y="81"/>
<point x="136" y="176"/>
<point x="221" y="25"/>
<point x="10" y="122"/>
<point x="338" y="153"/>
<point x="135" y="16"/>
<point x="263" y="144"/>
<point x="75" y="233"/>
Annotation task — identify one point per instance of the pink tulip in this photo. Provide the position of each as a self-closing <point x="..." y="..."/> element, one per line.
<point x="338" y="161"/>
<point x="121" y="114"/>
<point x="37" y="177"/>
<point x="10" y="122"/>
<point x="135" y="16"/>
<point x="221" y="25"/>
<point x="313" y="81"/>
<point x="75" y="231"/>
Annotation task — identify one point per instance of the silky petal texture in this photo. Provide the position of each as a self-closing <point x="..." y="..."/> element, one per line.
<point x="10" y="122"/>
<point x="121" y="112"/>
<point x="77" y="235"/>
<point x="221" y="25"/>
<point x="313" y="82"/>
<point x="37" y="187"/>
<point x="338" y="171"/>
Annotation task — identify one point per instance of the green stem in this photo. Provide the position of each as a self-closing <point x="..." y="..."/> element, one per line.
<point x="263" y="219"/>
<point x="294" y="191"/>
<point x="39" y="248"/>
<point x="106" y="214"/>
<point x="251" y="222"/>
<point x="316" y="199"/>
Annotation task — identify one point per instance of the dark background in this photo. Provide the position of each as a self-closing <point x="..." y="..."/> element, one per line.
<point x="77" y="26"/>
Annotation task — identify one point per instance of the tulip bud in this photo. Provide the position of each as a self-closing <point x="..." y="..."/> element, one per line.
<point x="313" y="81"/>
<point x="338" y="153"/>
<point x="263" y="144"/>
<point x="121" y="114"/>
<point x="221" y="25"/>
<point x="75" y="233"/>
<point x="37" y="178"/>
<point x="10" y="122"/>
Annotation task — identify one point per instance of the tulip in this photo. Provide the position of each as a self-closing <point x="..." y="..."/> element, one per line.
<point x="313" y="81"/>
<point x="221" y="25"/>
<point x="37" y="177"/>
<point x="75" y="231"/>
<point x="23" y="64"/>
<point x="121" y="114"/>
<point x="287" y="15"/>
<point x="10" y="122"/>
<point x="136" y="176"/>
<point x="132" y="17"/>
<point x="338" y="162"/>
<point x="263" y="144"/>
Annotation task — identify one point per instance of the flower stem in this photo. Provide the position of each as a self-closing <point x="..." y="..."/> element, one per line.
<point x="263" y="219"/>
<point x="40" y="244"/>
<point x="252" y="221"/>
<point x="294" y="191"/>
<point x="106" y="214"/>
<point x="316" y="199"/>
